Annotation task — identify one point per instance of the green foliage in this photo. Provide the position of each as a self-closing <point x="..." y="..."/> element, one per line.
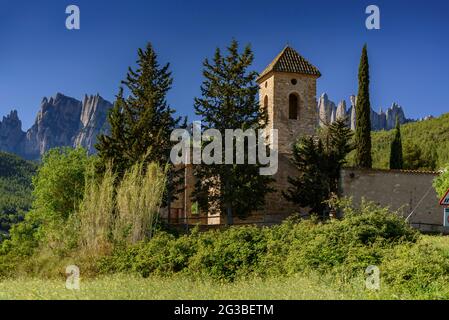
<point x="396" y="159"/>
<point x="311" y="187"/>
<point x="411" y="265"/>
<point x="417" y="268"/>
<point x="348" y="246"/>
<point x="426" y="145"/>
<point x="363" y="112"/>
<point x="441" y="182"/>
<point x="319" y="162"/>
<point x="229" y="101"/>
<point x="59" y="183"/>
<point x="355" y="242"/>
<point x="58" y="192"/>
<point x="15" y="190"/>
<point x="414" y="158"/>
<point x="230" y="254"/>
<point x="90" y="222"/>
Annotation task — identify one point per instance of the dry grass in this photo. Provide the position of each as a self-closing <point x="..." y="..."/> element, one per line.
<point x="126" y="212"/>
<point x="97" y="213"/>
<point x="139" y="198"/>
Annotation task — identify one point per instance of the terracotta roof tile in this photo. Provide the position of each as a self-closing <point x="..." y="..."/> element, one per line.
<point x="291" y="61"/>
<point x="394" y="170"/>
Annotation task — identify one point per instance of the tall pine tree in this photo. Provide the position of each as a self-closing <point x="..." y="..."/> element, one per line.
<point x="396" y="158"/>
<point x="229" y="101"/>
<point x="363" y="112"/>
<point x="141" y="124"/>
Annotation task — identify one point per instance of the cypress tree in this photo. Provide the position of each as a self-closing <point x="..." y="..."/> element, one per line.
<point x="363" y="112"/>
<point x="229" y="101"/>
<point x="396" y="158"/>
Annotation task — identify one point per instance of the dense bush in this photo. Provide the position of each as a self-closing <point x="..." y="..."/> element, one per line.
<point x="416" y="268"/>
<point x="58" y="191"/>
<point x="348" y="245"/>
<point x="79" y="215"/>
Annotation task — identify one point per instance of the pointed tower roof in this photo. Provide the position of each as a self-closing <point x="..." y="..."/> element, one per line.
<point x="289" y="60"/>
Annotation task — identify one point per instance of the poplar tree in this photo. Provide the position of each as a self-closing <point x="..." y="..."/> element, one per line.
<point x="229" y="101"/>
<point x="363" y="157"/>
<point x="396" y="158"/>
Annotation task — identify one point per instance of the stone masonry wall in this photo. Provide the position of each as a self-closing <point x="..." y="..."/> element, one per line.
<point x="400" y="190"/>
<point x="277" y="87"/>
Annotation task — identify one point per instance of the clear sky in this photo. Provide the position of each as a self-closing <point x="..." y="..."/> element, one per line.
<point x="409" y="55"/>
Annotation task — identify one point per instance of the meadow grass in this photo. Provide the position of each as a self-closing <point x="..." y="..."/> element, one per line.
<point x="124" y="287"/>
<point x="134" y="287"/>
<point x="302" y="286"/>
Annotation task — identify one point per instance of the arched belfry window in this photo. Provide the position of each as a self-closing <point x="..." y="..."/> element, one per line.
<point x="265" y="103"/>
<point x="293" y="106"/>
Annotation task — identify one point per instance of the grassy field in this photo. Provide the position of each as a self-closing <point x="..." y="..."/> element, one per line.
<point x="302" y="286"/>
<point x="134" y="287"/>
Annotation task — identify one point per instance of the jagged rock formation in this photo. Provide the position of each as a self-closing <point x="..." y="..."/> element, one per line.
<point x="341" y="110"/>
<point x="11" y="134"/>
<point x="61" y="121"/>
<point x="328" y="113"/>
<point x="325" y="110"/>
<point x="93" y="120"/>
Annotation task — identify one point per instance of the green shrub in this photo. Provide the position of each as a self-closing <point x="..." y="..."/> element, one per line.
<point x="80" y="214"/>
<point x="348" y="245"/>
<point x="149" y="257"/>
<point x="441" y="182"/>
<point x="222" y="255"/>
<point x="229" y="254"/>
<point x="58" y="191"/>
<point x="59" y="184"/>
<point x="416" y="268"/>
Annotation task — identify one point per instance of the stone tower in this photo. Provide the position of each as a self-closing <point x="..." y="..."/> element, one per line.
<point x="288" y="92"/>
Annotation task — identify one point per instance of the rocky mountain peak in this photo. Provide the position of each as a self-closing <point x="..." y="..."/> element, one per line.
<point x="60" y="121"/>
<point x="11" y="133"/>
<point x="328" y="113"/>
<point x="12" y="117"/>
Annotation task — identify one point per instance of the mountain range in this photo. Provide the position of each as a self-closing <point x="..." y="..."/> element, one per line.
<point x="328" y="112"/>
<point x="66" y="121"/>
<point x="61" y="121"/>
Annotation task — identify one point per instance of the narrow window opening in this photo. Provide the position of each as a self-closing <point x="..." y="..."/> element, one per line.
<point x="293" y="106"/>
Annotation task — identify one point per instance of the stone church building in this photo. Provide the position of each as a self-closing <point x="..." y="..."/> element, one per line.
<point x="288" y="91"/>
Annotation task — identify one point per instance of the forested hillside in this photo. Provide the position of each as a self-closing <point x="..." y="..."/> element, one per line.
<point x="425" y="145"/>
<point x="15" y="189"/>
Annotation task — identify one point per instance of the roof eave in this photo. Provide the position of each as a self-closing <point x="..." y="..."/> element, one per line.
<point x="266" y="75"/>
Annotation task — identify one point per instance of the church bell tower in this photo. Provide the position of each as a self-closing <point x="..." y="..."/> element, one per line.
<point x="288" y="92"/>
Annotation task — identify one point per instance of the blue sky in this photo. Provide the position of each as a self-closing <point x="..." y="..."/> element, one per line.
<point x="409" y="56"/>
